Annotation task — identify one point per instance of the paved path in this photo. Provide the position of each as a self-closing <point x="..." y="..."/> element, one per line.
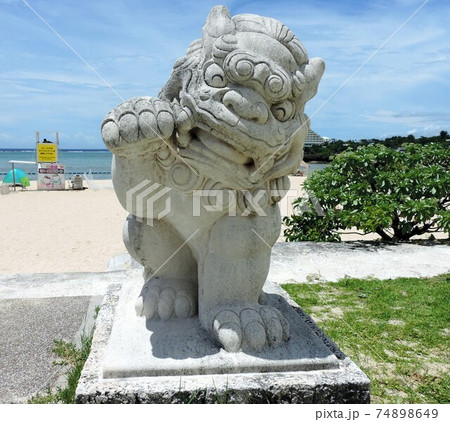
<point x="36" y="309"/>
<point x="307" y="261"/>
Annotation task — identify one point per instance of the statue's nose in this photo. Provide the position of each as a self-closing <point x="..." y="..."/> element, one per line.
<point x="247" y="104"/>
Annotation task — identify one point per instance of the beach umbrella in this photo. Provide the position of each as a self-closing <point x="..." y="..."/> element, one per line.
<point x="20" y="176"/>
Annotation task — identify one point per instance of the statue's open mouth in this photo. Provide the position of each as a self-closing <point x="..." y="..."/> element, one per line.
<point x="222" y="148"/>
<point x="226" y="163"/>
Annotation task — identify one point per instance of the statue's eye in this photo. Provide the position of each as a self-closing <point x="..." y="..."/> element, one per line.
<point x="214" y="76"/>
<point x="277" y="87"/>
<point x="245" y="69"/>
<point x="283" y="111"/>
<point x="275" y="84"/>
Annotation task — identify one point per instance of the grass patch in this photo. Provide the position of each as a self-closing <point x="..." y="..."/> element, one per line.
<point x="396" y="331"/>
<point x="72" y="357"/>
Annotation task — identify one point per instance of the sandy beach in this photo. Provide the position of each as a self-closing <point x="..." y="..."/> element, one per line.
<point x="71" y="230"/>
<point x="76" y="231"/>
<point x="60" y="231"/>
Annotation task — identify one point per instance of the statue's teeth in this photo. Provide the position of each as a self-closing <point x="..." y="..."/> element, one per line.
<point x="262" y="165"/>
<point x="183" y="139"/>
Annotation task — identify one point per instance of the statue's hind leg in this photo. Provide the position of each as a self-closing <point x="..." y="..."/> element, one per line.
<point x="170" y="271"/>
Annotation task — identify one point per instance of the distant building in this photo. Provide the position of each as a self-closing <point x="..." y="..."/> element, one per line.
<point x="314" y="139"/>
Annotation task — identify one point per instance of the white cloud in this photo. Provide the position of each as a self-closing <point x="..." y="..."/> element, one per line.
<point x="6" y="137"/>
<point x="417" y="122"/>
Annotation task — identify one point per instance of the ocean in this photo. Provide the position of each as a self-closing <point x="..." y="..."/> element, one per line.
<point x="95" y="161"/>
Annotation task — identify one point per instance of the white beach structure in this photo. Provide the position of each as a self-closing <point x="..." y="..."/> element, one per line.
<point x="313" y="139"/>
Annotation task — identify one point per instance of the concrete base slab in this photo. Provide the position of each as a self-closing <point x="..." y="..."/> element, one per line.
<point x="177" y="347"/>
<point x="135" y="362"/>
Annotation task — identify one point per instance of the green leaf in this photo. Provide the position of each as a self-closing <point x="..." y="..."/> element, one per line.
<point x="374" y="188"/>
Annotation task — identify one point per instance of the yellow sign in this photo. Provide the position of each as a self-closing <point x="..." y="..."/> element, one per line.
<point x="47" y="153"/>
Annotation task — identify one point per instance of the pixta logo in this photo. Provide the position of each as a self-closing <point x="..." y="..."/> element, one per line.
<point x="151" y="201"/>
<point x="148" y="200"/>
<point x="305" y="205"/>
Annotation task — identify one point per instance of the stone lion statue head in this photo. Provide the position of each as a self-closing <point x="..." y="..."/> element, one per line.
<point x="241" y="91"/>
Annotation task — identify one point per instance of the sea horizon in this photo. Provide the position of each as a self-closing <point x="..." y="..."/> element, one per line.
<point x="28" y="149"/>
<point x="93" y="161"/>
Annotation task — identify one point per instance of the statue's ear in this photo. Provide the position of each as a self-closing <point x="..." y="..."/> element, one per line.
<point x="218" y="23"/>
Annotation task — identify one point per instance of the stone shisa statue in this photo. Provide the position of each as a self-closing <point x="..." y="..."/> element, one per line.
<point x="201" y="169"/>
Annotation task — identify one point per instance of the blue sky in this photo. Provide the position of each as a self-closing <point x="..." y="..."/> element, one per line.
<point x="132" y="45"/>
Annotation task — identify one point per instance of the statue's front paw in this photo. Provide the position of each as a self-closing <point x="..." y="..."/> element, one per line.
<point x="138" y="119"/>
<point x="166" y="299"/>
<point x="250" y="328"/>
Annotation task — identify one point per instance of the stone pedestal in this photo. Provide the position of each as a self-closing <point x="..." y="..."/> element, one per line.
<point x="134" y="361"/>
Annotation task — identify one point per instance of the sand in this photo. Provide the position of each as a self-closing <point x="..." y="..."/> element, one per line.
<point x="60" y="231"/>
<point x="70" y="231"/>
<point x="77" y="231"/>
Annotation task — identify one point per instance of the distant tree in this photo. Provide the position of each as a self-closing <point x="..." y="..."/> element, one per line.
<point x="375" y="189"/>
<point x="327" y="151"/>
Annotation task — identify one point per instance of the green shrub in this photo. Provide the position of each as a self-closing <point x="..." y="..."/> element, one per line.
<point x="394" y="193"/>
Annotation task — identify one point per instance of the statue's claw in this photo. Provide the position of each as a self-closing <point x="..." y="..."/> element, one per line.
<point x="227" y="328"/>
<point x="166" y="299"/>
<point x="250" y="328"/>
<point x="138" y="119"/>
